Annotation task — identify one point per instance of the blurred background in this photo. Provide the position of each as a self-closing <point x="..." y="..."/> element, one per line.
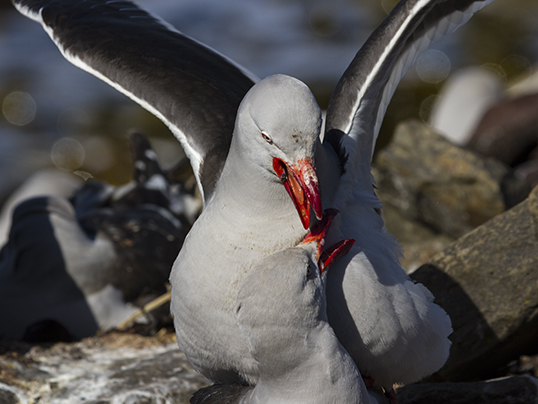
<point x="53" y="114"/>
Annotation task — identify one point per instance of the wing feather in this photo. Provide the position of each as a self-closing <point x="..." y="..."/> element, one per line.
<point x="361" y="97"/>
<point x="193" y="89"/>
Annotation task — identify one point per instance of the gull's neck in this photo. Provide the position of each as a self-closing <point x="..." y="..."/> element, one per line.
<point x="251" y="200"/>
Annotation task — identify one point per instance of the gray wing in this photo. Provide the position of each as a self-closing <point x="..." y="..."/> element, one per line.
<point x="359" y="102"/>
<point x="191" y="88"/>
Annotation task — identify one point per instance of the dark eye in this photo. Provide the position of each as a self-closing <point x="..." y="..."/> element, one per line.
<point x="309" y="273"/>
<point x="267" y="138"/>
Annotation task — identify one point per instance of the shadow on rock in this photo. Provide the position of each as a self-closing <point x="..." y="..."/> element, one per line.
<point x="486" y="281"/>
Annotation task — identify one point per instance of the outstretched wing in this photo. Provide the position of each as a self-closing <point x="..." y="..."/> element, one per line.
<point x="190" y="87"/>
<point x="359" y="102"/>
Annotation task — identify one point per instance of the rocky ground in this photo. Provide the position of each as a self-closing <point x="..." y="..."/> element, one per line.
<point x="112" y="368"/>
<point x="469" y="231"/>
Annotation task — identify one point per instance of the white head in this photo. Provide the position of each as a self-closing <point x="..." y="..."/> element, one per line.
<point x="276" y="131"/>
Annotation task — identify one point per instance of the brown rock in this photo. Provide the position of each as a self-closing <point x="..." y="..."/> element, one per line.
<point x="487" y="283"/>
<point x="444" y="186"/>
<point x="419" y="242"/>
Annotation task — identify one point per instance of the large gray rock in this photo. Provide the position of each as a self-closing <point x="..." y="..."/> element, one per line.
<point x="117" y="368"/>
<point x="419" y="241"/>
<point x="510" y="390"/>
<point x="487" y="282"/>
<point x="449" y="189"/>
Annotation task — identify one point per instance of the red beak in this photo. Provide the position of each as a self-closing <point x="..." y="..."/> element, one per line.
<point x="301" y="182"/>
<point x="318" y="234"/>
<point x="332" y="253"/>
<point x="319" y="230"/>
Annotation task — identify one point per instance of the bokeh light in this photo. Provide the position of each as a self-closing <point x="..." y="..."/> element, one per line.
<point x="67" y="154"/>
<point x="426" y="107"/>
<point x="433" y="66"/>
<point x="19" y="108"/>
<point x="388" y="5"/>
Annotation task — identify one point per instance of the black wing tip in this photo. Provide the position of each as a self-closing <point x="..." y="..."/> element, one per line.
<point x="335" y="137"/>
<point x="220" y="393"/>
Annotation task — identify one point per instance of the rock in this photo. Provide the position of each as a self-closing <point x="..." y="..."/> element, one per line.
<point x="474" y="110"/>
<point x="524" y="365"/>
<point x="117" y="368"/>
<point x="486" y="282"/>
<point x="125" y="368"/>
<point x="449" y="189"/>
<point x="510" y="390"/>
<point x="419" y="242"/>
<point x="8" y="395"/>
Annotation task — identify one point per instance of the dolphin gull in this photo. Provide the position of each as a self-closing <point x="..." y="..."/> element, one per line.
<point x="281" y="312"/>
<point x="389" y="325"/>
<point x="50" y="181"/>
<point x="75" y="263"/>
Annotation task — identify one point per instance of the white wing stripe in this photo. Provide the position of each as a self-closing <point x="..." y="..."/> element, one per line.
<point x="448" y="26"/>
<point x="382" y="58"/>
<point x="30" y="14"/>
<point x="194" y="156"/>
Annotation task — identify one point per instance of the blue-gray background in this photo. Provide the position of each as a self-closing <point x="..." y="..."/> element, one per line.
<point x="63" y="110"/>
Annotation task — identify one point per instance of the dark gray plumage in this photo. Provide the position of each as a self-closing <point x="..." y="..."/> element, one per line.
<point x="70" y="264"/>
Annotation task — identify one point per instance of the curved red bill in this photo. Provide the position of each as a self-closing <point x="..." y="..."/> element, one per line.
<point x="319" y="231"/>
<point x="301" y="182"/>
<point x="332" y="253"/>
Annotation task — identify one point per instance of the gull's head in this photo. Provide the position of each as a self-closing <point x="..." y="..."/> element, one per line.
<point x="277" y="127"/>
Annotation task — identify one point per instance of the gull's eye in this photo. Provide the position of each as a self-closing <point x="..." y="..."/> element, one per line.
<point x="309" y="273"/>
<point x="267" y="138"/>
